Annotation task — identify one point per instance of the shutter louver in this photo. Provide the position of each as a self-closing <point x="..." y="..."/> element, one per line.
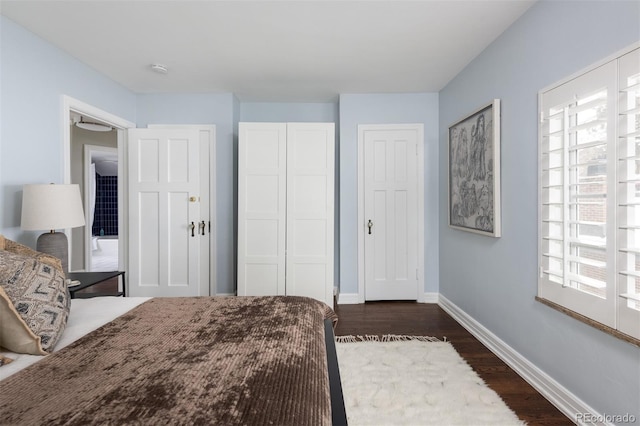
<point x="629" y="195"/>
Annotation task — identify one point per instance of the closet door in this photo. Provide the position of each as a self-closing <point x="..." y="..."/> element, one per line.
<point x="206" y="225"/>
<point x="164" y="187"/>
<point x="310" y="210"/>
<point x="261" y="208"/>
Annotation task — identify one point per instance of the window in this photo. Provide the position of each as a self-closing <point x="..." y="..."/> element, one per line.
<point x="589" y="194"/>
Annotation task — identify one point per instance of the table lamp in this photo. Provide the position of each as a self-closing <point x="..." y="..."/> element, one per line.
<point x="52" y="206"/>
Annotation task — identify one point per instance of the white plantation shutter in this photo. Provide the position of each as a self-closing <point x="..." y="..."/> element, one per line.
<point x="589" y="194"/>
<point x="628" y="303"/>
<point x="577" y="194"/>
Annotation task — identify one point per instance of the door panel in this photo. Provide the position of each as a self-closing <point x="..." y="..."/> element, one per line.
<point x="207" y="222"/>
<point x="261" y="209"/>
<point x="148" y="170"/>
<point x="178" y="161"/>
<point x="310" y="210"/>
<point x="147" y="245"/>
<point x="391" y="204"/>
<point x="179" y="241"/>
<point x="164" y="198"/>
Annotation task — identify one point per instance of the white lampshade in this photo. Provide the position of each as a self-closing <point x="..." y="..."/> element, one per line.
<point x="51" y="206"/>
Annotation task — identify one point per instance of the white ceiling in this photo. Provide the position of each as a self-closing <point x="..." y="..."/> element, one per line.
<point x="306" y="51"/>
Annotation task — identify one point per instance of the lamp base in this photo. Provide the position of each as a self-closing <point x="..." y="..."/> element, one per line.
<point x="55" y="244"/>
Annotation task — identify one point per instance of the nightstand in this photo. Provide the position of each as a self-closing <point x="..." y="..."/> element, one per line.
<point x="88" y="279"/>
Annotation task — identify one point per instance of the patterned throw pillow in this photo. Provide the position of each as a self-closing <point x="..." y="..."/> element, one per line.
<point x="34" y="304"/>
<point x="15" y="247"/>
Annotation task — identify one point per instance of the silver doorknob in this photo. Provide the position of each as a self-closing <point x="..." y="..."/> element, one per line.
<point x="370" y="225"/>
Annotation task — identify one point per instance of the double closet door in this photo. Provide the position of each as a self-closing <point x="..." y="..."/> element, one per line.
<point x="286" y="209"/>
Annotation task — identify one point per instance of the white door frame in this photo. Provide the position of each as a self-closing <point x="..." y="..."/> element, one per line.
<point x="69" y="105"/>
<point x="419" y="128"/>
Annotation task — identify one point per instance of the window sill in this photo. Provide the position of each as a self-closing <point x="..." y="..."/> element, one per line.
<point x="589" y="321"/>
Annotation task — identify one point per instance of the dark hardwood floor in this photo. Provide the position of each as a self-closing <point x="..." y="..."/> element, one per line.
<point x="412" y="318"/>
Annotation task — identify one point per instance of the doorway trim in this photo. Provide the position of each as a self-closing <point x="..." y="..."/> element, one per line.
<point x="70" y="105"/>
<point x="419" y="129"/>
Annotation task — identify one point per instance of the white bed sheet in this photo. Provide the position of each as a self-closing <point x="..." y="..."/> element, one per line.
<point x="85" y="315"/>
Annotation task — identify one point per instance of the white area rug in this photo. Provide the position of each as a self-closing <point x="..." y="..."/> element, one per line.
<point x="414" y="382"/>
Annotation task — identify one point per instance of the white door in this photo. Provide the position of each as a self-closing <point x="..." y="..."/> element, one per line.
<point x="286" y="209"/>
<point x="164" y="212"/>
<point x="262" y="192"/>
<point x="310" y="208"/>
<point x="391" y="211"/>
<point x="207" y="202"/>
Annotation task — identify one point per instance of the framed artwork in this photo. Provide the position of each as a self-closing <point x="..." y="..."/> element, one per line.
<point x="474" y="172"/>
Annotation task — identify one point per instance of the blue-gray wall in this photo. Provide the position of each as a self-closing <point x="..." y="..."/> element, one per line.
<point x="495" y="280"/>
<point x="358" y="109"/>
<point x="35" y="75"/>
<point x="320" y="112"/>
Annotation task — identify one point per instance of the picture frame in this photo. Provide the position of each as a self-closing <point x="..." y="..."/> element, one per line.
<point x="474" y="172"/>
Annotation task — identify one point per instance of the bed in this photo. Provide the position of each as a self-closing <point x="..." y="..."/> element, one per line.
<point x="199" y="360"/>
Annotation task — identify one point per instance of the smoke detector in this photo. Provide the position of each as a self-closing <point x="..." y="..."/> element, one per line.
<point x="159" y="68"/>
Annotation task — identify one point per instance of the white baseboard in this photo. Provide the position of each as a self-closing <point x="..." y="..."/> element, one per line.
<point x="568" y="403"/>
<point x="430" y="298"/>
<point x="353" y="298"/>
<point x="348" y="299"/>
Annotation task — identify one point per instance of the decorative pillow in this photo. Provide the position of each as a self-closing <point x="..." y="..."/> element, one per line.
<point x="34" y="302"/>
<point x="4" y="360"/>
<point x="15" y="247"/>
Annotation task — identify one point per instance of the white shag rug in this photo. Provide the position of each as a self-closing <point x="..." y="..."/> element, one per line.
<point x="414" y="381"/>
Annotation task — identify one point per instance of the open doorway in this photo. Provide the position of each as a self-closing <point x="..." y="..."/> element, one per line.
<point x="95" y="136"/>
<point x="94" y="167"/>
<point x="101" y="232"/>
